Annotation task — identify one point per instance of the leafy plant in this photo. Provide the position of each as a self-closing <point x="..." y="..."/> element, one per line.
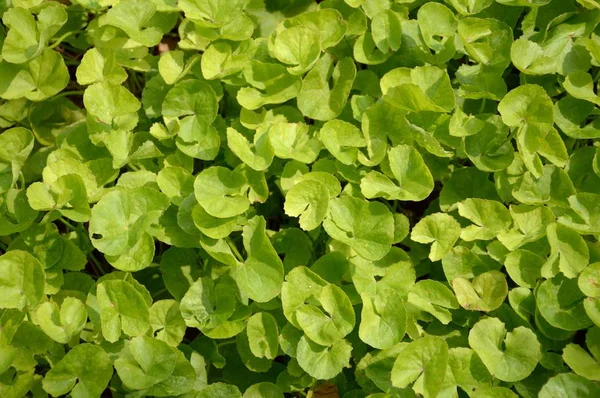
<point x="269" y="198"/>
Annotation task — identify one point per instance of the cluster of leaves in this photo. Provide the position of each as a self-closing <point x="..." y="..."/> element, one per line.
<point x="357" y="198"/>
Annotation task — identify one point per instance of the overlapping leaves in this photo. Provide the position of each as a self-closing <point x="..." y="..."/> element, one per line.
<point x="355" y="198"/>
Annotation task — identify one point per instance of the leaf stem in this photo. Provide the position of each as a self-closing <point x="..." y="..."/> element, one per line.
<point x="224" y="343"/>
<point x="482" y="107"/>
<point x="60" y="39"/>
<point x="3" y="246"/>
<point x="158" y="293"/>
<point x="67" y="224"/>
<point x="68" y="93"/>
<point x="96" y="263"/>
<point x="235" y="250"/>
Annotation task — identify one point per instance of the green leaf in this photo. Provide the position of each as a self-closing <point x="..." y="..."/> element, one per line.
<point x="214" y="12"/>
<point x="96" y="66"/>
<point x="469" y="7"/>
<point x="298" y="46"/>
<point x="423" y="362"/>
<point x="220" y="390"/>
<point x="433" y="297"/>
<point x="84" y="371"/>
<point x="524" y="267"/>
<point x="383" y="319"/>
<point x="39" y="79"/>
<point x="221" y="192"/>
<point x="263" y="390"/>
<point x="22" y="281"/>
<point x="527" y="104"/>
<point x="467" y="368"/>
<point x="342" y="140"/>
<point x="63" y="323"/>
<point x="560" y="302"/>
<point x="330" y="324"/>
<point x="107" y="101"/>
<point x="28" y="36"/>
<point x="490" y="219"/>
<point x="310" y="201"/>
<point x="271" y="84"/>
<point x="16" y="145"/>
<point x="386" y="29"/>
<point x="167" y="322"/>
<point x="179" y="270"/>
<point x="120" y="226"/>
<point x="258" y="155"/>
<point x="440" y="229"/>
<point x="294" y="141"/>
<point x="149" y="363"/>
<point x="134" y="18"/>
<point x="195" y="104"/>
<point x="568" y="248"/>
<point x="588" y="280"/>
<point x="261" y="276"/>
<point x="580" y="85"/>
<point x="263" y="334"/>
<point x="368" y="227"/>
<point x="300" y="284"/>
<point x="569" y="385"/>
<point x="486" y="292"/>
<point x="408" y="167"/>
<point x="508" y="356"/>
<point x="438" y="26"/>
<point x="489" y="147"/>
<point x="580" y="361"/>
<point x="122" y="308"/>
<point x="326" y="87"/>
<point x="320" y="362"/>
<point x="425" y="88"/>
<point x="491" y="50"/>
<point x="175" y="182"/>
<point x="225" y="59"/>
<point x="205" y="305"/>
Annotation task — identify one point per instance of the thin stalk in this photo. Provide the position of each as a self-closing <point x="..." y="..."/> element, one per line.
<point x="482" y="107"/>
<point x="96" y="263"/>
<point x="68" y="93"/>
<point x="235" y="251"/>
<point x="158" y="293"/>
<point x="68" y="224"/>
<point x="60" y="39"/>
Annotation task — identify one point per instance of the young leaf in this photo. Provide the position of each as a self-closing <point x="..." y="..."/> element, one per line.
<point x="368" y="227"/>
<point x="85" y="370"/>
<point x="423" y="362"/>
<point x="320" y="362"/>
<point x="261" y="275"/>
<point x="442" y="230"/>
<point x="508" y="356"/>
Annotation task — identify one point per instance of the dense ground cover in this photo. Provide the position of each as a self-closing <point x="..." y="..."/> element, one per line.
<point x="268" y="198"/>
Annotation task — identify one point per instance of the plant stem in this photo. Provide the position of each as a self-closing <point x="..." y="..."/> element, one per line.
<point x="96" y="263"/>
<point x="482" y="107"/>
<point x="158" y="293"/>
<point x="68" y="93"/>
<point x="67" y="224"/>
<point x="235" y="251"/>
<point x="60" y="39"/>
